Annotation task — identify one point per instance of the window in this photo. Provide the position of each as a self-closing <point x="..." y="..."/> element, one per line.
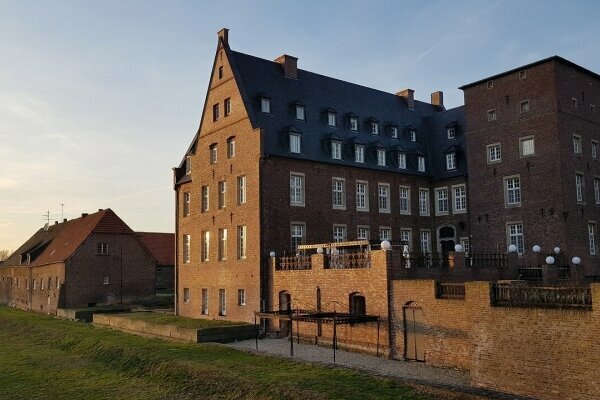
<point x="362" y="196"/>
<point x="362" y="233"/>
<point x="105" y="281"/>
<point x="57" y="283"/>
<point x="404" y="200"/>
<point x="574" y="103"/>
<point x="490" y="84"/>
<point x="402" y="160"/>
<point x="522" y="74"/>
<point x="577" y="144"/>
<point x="188" y="165"/>
<point x="227" y="106"/>
<point x="394" y="131"/>
<point x="241" y="297"/>
<point x="354" y="123"/>
<point x="525" y="106"/>
<point x="205" y="198"/>
<point x="421" y="164"/>
<point x="460" y="199"/>
<point x="451" y="133"/>
<point x="205" y="245"/>
<point x="406" y="236"/>
<point x="424" y="201"/>
<point x="186" y="248"/>
<point x="186" y="295"/>
<point x="359" y="153"/>
<point x="204" y="302"/>
<point x="215" y="112"/>
<point x="222" y="194"/>
<point x="221" y="72"/>
<point x="592" y="238"/>
<point x="464" y="242"/>
<point x="441" y="201"/>
<point x="222" y="302"/>
<point x="381" y="157"/>
<point x="374" y="128"/>
<point x="231" y="147"/>
<point x="515" y="236"/>
<point x="512" y="191"/>
<point x="579" y="187"/>
<point x="384" y="197"/>
<point x="297" y="236"/>
<point x="297" y="189"/>
<point x="213" y="153"/>
<point x="426" y="242"/>
<point x="494" y="153"/>
<point x="336" y="150"/>
<point x="241" y="244"/>
<point x="338" y="193"/>
<point x="527" y="146"/>
<point x="594" y="149"/>
<point x="385" y="233"/>
<point x="339" y="233"/>
<point x="186" y="204"/>
<point x="412" y="135"/>
<point x="222" y="244"/>
<point x="592" y="109"/>
<point x="300" y="112"/>
<point x="597" y="190"/>
<point x="265" y="105"/>
<point x="34" y="284"/>
<point x="491" y="115"/>
<point x="450" y="161"/>
<point x="102" y="248"/>
<point x="241" y="185"/>
<point x="295" y="143"/>
<point x="331" y="119"/>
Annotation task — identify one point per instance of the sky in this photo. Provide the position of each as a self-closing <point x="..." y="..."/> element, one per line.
<point x="99" y="100"/>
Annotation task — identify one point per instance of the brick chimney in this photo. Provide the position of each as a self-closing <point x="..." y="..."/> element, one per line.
<point x="437" y="98"/>
<point x="289" y="65"/>
<point x="409" y="97"/>
<point x="223" y="35"/>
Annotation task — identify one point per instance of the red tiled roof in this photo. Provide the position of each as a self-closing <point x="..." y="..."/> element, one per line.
<point x="160" y="245"/>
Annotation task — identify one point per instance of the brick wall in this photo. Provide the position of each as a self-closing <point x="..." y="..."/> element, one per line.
<point x="17" y="287"/>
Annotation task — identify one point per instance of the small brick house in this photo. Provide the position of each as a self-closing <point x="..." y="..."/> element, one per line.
<point x="91" y="260"/>
<point x="162" y="247"/>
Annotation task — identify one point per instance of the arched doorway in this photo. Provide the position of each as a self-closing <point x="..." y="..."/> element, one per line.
<point x="285" y="304"/>
<point x="446" y="241"/>
<point x="358" y="304"/>
<point x="414" y="342"/>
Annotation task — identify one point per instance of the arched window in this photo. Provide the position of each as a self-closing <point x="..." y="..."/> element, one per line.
<point x="358" y="304"/>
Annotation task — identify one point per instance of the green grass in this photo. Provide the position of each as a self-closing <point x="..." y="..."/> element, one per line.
<point x="46" y="358"/>
<point x="181" y="322"/>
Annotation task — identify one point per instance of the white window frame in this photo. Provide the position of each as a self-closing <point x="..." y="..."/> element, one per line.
<point x="424" y="206"/>
<point x="394" y="131"/>
<point x="222" y="302"/>
<point x="359" y="153"/>
<point x="297" y="191"/>
<point x="412" y="135"/>
<point x="188" y="165"/>
<point x="494" y="153"/>
<point x="223" y="244"/>
<point x="362" y="197"/>
<point x="336" y="149"/>
<point x="363" y="229"/>
<point x="421" y="164"/>
<point x="241" y="186"/>
<point x="186" y="248"/>
<point x="384" y="198"/>
<point x="186" y="295"/>
<point x="297" y="235"/>
<point x="442" y="201"/>
<point x="222" y="185"/>
<point x="577" y="144"/>
<point x="491" y="115"/>
<point x="204" y="305"/>
<point x="242" y="242"/>
<point x="466" y="244"/>
<point x="374" y="128"/>
<point x="595" y="149"/>
<point x="402" y="160"/>
<point x="527" y="143"/>
<point x="451" y="132"/>
<point x="385" y="233"/>
<point x="213" y="153"/>
<point x="265" y="105"/>
<point x="339" y="233"/>
<point x="227" y="106"/>
<point x="331" y="119"/>
<point x="338" y="193"/>
<point x="425" y="236"/>
<point x="404" y="200"/>
<point x="353" y="123"/>
<point x="186" y="203"/>
<point x="241" y="297"/>
<point x="295" y="143"/>
<point x="406" y="235"/>
<point x="580" y="187"/>
<point x="381" y="157"/>
<point x="459" y="200"/>
<point x="105" y="281"/>
<point x="205" y="198"/>
<point x="450" y="161"/>
<point x="205" y="256"/>
<point x="513" y="235"/>
<point x="511" y="188"/>
<point x="592" y="229"/>
<point x="231" y="147"/>
<point x="597" y="190"/>
<point x="300" y="112"/>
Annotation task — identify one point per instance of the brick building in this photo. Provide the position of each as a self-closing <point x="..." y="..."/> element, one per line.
<point x="284" y="156"/>
<point x="94" y="259"/>
<point x="162" y="247"/>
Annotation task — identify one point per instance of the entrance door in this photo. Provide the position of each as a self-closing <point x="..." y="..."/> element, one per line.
<point x="414" y="346"/>
<point x="285" y="304"/>
<point x="446" y="237"/>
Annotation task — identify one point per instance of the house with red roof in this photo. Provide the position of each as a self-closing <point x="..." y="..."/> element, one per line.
<point x="162" y="247"/>
<point x="96" y="259"/>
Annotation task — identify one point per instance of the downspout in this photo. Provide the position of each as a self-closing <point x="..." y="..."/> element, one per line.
<point x="176" y="264"/>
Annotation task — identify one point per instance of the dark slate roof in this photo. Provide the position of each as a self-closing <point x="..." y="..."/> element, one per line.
<point x="439" y="144"/>
<point x="318" y="93"/>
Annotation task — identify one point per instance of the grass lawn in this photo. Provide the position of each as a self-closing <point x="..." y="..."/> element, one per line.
<point x="46" y="358"/>
<point x="182" y="322"/>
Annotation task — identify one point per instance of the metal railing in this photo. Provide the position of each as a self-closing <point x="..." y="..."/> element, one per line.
<point x="423" y="260"/>
<point x="543" y="297"/>
<point x="486" y="260"/>
<point x="293" y="263"/>
<point x="530" y="273"/>
<point x="361" y="259"/>
<point x="455" y="291"/>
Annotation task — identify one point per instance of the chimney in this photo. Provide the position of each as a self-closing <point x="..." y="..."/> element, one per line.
<point x="289" y="65"/>
<point x="223" y="35"/>
<point x="83" y="215"/>
<point x="437" y="98"/>
<point x="100" y="209"/>
<point x="55" y="222"/>
<point x="409" y="97"/>
<point x="64" y="220"/>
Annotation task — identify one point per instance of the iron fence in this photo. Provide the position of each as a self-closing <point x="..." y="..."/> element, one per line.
<point x="486" y="260"/>
<point x="530" y="273"/>
<point x="354" y="260"/>
<point x="424" y="260"/>
<point x="293" y="263"/>
<point x="455" y="291"/>
<point x="544" y="297"/>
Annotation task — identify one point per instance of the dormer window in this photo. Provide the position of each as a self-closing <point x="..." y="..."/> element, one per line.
<point x="451" y="132"/>
<point x="394" y="131"/>
<point x="374" y="128"/>
<point x="265" y="105"/>
<point x="412" y="135"/>
<point x="331" y="120"/>
<point x="354" y="123"/>
<point x="295" y="143"/>
<point x="359" y="153"/>
<point x="381" y="157"/>
<point x="421" y="163"/>
<point x="402" y="160"/>
<point x="300" y="112"/>
<point x="522" y="74"/>
<point x="450" y="161"/>
<point x="336" y="149"/>
<point x="188" y="165"/>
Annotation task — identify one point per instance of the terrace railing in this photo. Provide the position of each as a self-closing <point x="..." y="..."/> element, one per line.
<point x="424" y="260"/>
<point x="486" y="260"/>
<point x="530" y="273"/>
<point x="293" y="263"/>
<point x="455" y="291"/>
<point x="542" y="297"/>
<point x="360" y="259"/>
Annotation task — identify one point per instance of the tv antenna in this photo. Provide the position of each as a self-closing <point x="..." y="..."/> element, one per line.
<point x="62" y="209"/>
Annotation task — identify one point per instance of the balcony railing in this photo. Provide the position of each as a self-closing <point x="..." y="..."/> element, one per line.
<point x="530" y="273"/>
<point x="486" y="260"/>
<point x="543" y="297"/>
<point x="293" y="263"/>
<point x="361" y="259"/>
<point x="423" y="260"/>
<point x="455" y="291"/>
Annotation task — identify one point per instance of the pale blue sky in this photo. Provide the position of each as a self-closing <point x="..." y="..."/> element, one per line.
<point x="100" y="99"/>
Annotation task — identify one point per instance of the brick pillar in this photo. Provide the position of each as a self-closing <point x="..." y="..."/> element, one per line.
<point x="457" y="260"/>
<point x="549" y="275"/>
<point x="595" y="298"/>
<point x="317" y="261"/>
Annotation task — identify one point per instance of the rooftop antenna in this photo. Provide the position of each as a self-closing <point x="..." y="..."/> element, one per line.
<point x="46" y="216"/>
<point x="62" y="209"/>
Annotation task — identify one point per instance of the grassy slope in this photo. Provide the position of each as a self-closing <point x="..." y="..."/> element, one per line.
<point x="46" y="358"/>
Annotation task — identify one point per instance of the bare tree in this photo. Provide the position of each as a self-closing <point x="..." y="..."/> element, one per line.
<point x="4" y="254"/>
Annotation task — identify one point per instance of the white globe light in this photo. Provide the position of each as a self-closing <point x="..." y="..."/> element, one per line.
<point x="536" y="249"/>
<point x="557" y="250"/>
<point x="272" y="254"/>
<point x="334" y="251"/>
<point x="386" y="245"/>
<point x="549" y="260"/>
<point x="319" y="250"/>
<point x="458" y="248"/>
<point x="576" y="260"/>
<point x="512" y="248"/>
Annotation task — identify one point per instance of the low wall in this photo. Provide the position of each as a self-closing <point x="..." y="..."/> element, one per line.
<point x="217" y="334"/>
<point x="86" y="315"/>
